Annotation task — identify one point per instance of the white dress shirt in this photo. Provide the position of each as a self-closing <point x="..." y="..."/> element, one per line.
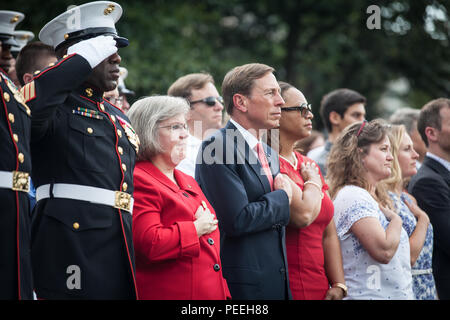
<point x="249" y="138"/>
<point x="444" y="162"/>
<point x="187" y="165"/>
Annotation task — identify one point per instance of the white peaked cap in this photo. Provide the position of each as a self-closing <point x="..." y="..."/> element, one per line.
<point x="22" y="37"/>
<point x="123" y="74"/>
<point x="8" y="22"/>
<point x="83" y="22"/>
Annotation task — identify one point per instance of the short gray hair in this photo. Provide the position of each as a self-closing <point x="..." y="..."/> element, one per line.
<point x="145" y="116"/>
<point x="407" y="117"/>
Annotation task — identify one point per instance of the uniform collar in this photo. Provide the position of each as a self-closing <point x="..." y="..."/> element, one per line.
<point x="90" y="92"/>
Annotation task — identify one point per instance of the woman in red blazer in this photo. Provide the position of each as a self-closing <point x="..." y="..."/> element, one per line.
<point x="175" y="235"/>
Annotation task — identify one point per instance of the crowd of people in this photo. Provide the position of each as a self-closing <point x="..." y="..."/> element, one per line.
<point x="166" y="199"/>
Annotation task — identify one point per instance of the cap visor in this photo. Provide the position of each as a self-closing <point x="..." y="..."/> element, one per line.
<point x="121" y="42"/>
<point x="9" y="41"/>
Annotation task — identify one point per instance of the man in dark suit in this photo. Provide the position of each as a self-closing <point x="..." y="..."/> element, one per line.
<point x="250" y="198"/>
<point x="431" y="186"/>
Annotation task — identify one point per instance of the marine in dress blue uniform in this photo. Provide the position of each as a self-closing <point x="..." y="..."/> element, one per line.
<point x="15" y="167"/>
<point x="83" y="152"/>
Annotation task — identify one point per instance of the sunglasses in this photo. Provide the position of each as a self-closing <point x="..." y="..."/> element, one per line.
<point x="210" y="101"/>
<point x="304" y="108"/>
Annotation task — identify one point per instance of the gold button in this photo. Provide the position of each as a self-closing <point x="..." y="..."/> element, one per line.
<point x="37" y="72"/>
<point x="124" y="186"/>
<point x="6" y="96"/>
<point x="124" y="167"/>
<point x="90" y="130"/>
<point x="16" y="137"/>
<point x="120" y="150"/>
<point x="21" y="157"/>
<point x="119" y="133"/>
<point x="102" y="106"/>
<point x="11" y="118"/>
<point x="76" y="225"/>
<point x="65" y="56"/>
<point x="113" y="118"/>
<point x="51" y="64"/>
<point x="66" y="36"/>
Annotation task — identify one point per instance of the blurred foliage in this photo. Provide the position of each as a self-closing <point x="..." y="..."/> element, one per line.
<point x="316" y="45"/>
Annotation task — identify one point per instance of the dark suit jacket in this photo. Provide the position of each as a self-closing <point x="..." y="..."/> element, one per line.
<point x="252" y="218"/>
<point x="431" y="187"/>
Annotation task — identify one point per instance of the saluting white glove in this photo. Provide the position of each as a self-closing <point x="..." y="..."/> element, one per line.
<point x="94" y="50"/>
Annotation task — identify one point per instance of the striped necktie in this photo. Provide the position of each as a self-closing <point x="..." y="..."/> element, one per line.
<point x="264" y="163"/>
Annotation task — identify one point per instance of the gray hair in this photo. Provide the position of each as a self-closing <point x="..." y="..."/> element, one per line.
<point x="145" y="116"/>
<point x="407" y="117"/>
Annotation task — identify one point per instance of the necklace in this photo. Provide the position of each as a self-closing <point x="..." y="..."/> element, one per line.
<point x="295" y="164"/>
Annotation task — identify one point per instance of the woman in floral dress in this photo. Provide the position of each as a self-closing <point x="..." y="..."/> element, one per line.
<point x="415" y="220"/>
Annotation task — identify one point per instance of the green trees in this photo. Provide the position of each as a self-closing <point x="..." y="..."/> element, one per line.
<point x="316" y="45"/>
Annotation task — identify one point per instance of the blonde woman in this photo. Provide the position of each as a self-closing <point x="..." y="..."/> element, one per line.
<point x="375" y="247"/>
<point x="415" y="220"/>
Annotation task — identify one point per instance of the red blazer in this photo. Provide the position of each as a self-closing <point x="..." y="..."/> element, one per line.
<point x="172" y="262"/>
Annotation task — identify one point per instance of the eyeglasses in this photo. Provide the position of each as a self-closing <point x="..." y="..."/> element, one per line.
<point x="176" y="127"/>
<point x="210" y="101"/>
<point x="304" y="108"/>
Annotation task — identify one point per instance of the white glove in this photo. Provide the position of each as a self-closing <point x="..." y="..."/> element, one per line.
<point x="94" y="50"/>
